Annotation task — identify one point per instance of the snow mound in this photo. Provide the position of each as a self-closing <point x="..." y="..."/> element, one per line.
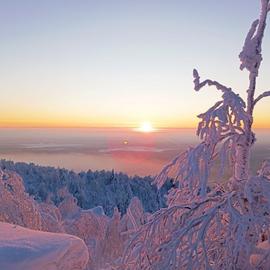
<point x="25" y="249"/>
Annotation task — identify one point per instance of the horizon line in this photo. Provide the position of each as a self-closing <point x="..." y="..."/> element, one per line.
<point x="105" y="127"/>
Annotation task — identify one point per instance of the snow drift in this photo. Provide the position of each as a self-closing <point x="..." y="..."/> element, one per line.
<point x="25" y="249"/>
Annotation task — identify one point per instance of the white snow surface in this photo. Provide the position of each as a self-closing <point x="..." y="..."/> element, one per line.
<point x="26" y="249"/>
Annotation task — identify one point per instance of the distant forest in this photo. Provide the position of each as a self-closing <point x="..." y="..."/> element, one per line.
<point x="92" y="188"/>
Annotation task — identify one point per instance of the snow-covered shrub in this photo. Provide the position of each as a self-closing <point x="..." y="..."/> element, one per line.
<point x="15" y="205"/>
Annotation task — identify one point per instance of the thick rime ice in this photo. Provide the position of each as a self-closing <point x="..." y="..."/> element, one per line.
<point x="222" y="227"/>
<point x="25" y="249"/>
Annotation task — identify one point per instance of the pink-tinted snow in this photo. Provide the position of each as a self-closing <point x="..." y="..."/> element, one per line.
<point x="25" y="249"/>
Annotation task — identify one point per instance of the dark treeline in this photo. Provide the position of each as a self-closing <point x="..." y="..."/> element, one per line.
<point x="92" y="188"/>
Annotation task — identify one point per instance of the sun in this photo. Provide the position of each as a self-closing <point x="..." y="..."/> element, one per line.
<point x="146" y="127"/>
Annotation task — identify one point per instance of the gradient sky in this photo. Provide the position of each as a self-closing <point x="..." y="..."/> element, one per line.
<point x="121" y="62"/>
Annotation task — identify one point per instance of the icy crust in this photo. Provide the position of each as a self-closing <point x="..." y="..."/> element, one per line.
<point x="25" y="249"/>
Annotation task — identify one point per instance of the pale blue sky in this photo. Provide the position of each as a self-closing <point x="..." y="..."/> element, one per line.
<point x="117" y="63"/>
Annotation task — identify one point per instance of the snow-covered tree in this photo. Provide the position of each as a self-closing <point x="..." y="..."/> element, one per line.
<point x="91" y="188"/>
<point x="214" y="226"/>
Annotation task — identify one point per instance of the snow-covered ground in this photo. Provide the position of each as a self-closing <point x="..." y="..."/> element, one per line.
<point x="25" y="249"/>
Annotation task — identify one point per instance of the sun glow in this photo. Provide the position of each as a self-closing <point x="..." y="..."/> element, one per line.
<point x="146" y="127"/>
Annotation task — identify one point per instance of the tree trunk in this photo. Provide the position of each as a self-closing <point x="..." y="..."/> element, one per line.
<point x="241" y="166"/>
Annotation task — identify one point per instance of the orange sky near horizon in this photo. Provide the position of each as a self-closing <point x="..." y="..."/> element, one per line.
<point x="121" y="63"/>
<point x="43" y="121"/>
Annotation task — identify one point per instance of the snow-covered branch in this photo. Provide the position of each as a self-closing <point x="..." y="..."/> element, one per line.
<point x="225" y="116"/>
<point x="250" y="55"/>
<point x="264" y="94"/>
<point x="216" y="233"/>
<point x="265" y="169"/>
<point x="190" y="170"/>
<point x="198" y="84"/>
